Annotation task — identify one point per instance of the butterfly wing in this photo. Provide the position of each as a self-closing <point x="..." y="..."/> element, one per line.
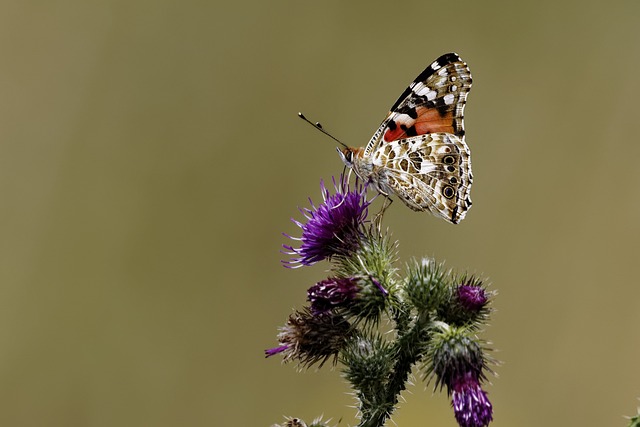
<point x="434" y="102"/>
<point x="430" y="172"/>
<point x="419" y="152"/>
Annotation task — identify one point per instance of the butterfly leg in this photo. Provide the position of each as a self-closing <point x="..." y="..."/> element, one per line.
<point x="378" y="218"/>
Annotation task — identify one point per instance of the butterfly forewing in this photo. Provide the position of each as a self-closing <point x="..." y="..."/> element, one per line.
<point x="433" y="102"/>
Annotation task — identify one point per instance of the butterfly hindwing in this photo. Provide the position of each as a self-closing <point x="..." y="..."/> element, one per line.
<point x="434" y="102"/>
<point x="430" y="172"/>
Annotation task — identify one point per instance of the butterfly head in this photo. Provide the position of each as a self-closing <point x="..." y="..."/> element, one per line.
<point x="346" y="154"/>
<point x="353" y="159"/>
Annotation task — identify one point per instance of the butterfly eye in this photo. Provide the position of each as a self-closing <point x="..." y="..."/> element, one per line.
<point x="448" y="192"/>
<point x="348" y="156"/>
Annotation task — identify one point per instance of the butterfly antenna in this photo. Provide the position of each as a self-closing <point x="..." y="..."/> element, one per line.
<point x="319" y="127"/>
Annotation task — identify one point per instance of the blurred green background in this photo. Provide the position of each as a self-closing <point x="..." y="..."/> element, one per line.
<point x="150" y="157"/>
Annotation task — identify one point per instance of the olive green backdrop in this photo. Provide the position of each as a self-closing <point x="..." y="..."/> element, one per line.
<point x="150" y="157"/>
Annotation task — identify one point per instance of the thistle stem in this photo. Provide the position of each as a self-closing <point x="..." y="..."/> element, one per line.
<point x="409" y="351"/>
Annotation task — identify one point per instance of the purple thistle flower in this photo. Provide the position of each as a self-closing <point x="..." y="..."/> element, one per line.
<point x="273" y="351"/>
<point x="471" y="405"/>
<point x="458" y="362"/>
<point x="332" y="228"/>
<point x="331" y="293"/>
<point x="472" y="298"/>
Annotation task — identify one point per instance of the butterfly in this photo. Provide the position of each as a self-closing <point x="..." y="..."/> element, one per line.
<point x="419" y="153"/>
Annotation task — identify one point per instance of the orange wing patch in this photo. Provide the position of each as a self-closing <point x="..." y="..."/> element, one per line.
<point x="428" y="120"/>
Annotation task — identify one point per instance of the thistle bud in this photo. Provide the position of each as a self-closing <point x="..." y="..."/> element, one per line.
<point x="458" y="363"/>
<point x="311" y="338"/>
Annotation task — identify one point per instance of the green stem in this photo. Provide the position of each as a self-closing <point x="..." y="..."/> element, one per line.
<point x="408" y="348"/>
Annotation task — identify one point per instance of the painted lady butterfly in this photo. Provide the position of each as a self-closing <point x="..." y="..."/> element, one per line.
<point x="419" y="153"/>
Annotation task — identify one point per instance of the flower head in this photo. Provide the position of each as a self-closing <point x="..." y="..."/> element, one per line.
<point x="458" y="362"/>
<point x="331" y="293"/>
<point x="467" y="303"/>
<point x="454" y="353"/>
<point x="311" y="338"/>
<point x="471" y="297"/>
<point x="470" y="404"/>
<point x="332" y="228"/>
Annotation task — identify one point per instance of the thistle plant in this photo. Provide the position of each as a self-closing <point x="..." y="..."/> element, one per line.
<point x="635" y="420"/>
<point x="378" y="322"/>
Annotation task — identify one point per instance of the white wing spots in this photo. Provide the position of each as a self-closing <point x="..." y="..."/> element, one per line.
<point x="443" y="72"/>
<point x="449" y="98"/>
<point x="435" y="66"/>
<point x="396" y="148"/>
<point x="454" y="88"/>
<point x="427" y="167"/>
<point x="403" y="119"/>
<point x="443" y="149"/>
<point x="415" y="144"/>
<point x="423" y="90"/>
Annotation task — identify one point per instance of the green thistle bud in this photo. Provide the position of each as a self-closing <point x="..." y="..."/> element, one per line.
<point x="367" y="361"/>
<point x="453" y="353"/>
<point x="426" y="285"/>
<point x="367" y="366"/>
<point x="375" y="257"/>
